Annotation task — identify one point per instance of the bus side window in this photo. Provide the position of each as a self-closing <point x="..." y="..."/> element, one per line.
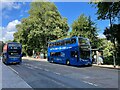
<point x="62" y="43"/>
<point x="74" y="54"/>
<point x="67" y="42"/>
<point x="55" y="54"/>
<point x="73" y="40"/>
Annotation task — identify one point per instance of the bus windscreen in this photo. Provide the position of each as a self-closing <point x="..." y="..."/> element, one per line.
<point x="14" y="49"/>
<point x="84" y="47"/>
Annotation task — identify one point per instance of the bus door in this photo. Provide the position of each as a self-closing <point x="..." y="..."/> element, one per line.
<point x="74" y="56"/>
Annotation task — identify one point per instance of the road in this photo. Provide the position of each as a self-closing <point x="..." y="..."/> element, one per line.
<point x="41" y="74"/>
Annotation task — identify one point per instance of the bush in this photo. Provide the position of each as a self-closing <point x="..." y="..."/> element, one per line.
<point x="108" y="60"/>
<point x="23" y="54"/>
<point x="118" y="61"/>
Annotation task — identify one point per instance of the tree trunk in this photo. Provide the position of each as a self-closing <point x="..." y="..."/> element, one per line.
<point x="44" y="55"/>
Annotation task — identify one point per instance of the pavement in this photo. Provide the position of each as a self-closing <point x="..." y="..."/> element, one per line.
<point x="107" y="66"/>
<point x="96" y="65"/>
<point x="36" y="59"/>
<point x="9" y="78"/>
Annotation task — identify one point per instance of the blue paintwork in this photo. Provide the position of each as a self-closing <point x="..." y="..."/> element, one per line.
<point x="67" y="54"/>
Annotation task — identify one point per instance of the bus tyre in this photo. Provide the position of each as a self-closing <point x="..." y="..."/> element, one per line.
<point x="19" y="63"/>
<point x="51" y="61"/>
<point x="68" y="62"/>
<point x="90" y="65"/>
<point x="5" y="63"/>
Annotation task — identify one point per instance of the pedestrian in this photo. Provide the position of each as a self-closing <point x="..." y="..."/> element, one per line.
<point x="100" y="60"/>
<point x="95" y="58"/>
<point x="35" y="55"/>
<point x="42" y="55"/>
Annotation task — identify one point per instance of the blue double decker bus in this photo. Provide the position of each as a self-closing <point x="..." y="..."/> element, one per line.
<point x="12" y="53"/>
<point x="71" y="51"/>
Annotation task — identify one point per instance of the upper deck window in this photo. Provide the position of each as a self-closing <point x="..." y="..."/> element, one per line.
<point x="63" y="42"/>
<point x="83" y="41"/>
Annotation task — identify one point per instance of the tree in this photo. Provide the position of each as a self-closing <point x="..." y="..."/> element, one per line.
<point x="110" y="11"/>
<point x="113" y="34"/>
<point x="85" y="27"/>
<point x="44" y="24"/>
<point x="1" y="47"/>
<point x="108" y="48"/>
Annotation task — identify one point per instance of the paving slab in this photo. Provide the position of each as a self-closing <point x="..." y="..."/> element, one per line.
<point x="107" y="66"/>
<point x="10" y="78"/>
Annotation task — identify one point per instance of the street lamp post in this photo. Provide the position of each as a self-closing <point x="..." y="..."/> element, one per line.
<point x="114" y="59"/>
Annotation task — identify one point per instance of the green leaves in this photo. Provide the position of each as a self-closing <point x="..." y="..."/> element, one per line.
<point x="84" y="27"/>
<point x="111" y="11"/>
<point x="108" y="10"/>
<point x="44" y="24"/>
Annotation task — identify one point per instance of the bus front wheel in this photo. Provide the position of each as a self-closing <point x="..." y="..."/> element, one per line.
<point x="68" y="62"/>
<point x="51" y="61"/>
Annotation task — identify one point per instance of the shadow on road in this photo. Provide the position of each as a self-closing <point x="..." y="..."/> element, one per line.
<point x="60" y="64"/>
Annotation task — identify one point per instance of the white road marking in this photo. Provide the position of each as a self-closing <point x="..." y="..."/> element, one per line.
<point x="57" y="82"/>
<point x="45" y="65"/>
<point x="90" y="83"/>
<point x="13" y="70"/>
<point x="46" y="70"/>
<point x="86" y="77"/>
<point x="57" y="73"/>
<point x="33" y="67"/>
<point x="40" y="68"/>
<point x="30" y="68"/>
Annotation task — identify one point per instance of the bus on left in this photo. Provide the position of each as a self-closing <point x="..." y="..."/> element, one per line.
<point x="12" y="53"/>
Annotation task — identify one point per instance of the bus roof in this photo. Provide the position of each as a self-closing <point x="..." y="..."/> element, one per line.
<point x="67" y="39"/>
<point x="13" y="43"/>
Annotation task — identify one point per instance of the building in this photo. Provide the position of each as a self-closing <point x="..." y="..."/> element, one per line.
<point x="1" y="46"/>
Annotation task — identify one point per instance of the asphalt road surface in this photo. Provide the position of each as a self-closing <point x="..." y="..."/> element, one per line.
<point x="41" y="74"/>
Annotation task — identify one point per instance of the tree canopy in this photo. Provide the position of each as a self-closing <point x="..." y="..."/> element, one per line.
<point x="44" y="24"/>
<point x="85" y="27"/>
<point x="110" y="11"/>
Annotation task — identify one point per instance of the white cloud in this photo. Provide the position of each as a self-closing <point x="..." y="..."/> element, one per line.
<point x="0" y="33"/>
<point x="10" y="5"/>
<point x="9" y="30"/>
<point x="101" y="35"/>
<point x="48" y="0"/>
<point x="16" y="0"/>
<point x="11" y="25"/>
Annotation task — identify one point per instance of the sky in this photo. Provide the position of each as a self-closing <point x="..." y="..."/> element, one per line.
<point x="13" y="12"/>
